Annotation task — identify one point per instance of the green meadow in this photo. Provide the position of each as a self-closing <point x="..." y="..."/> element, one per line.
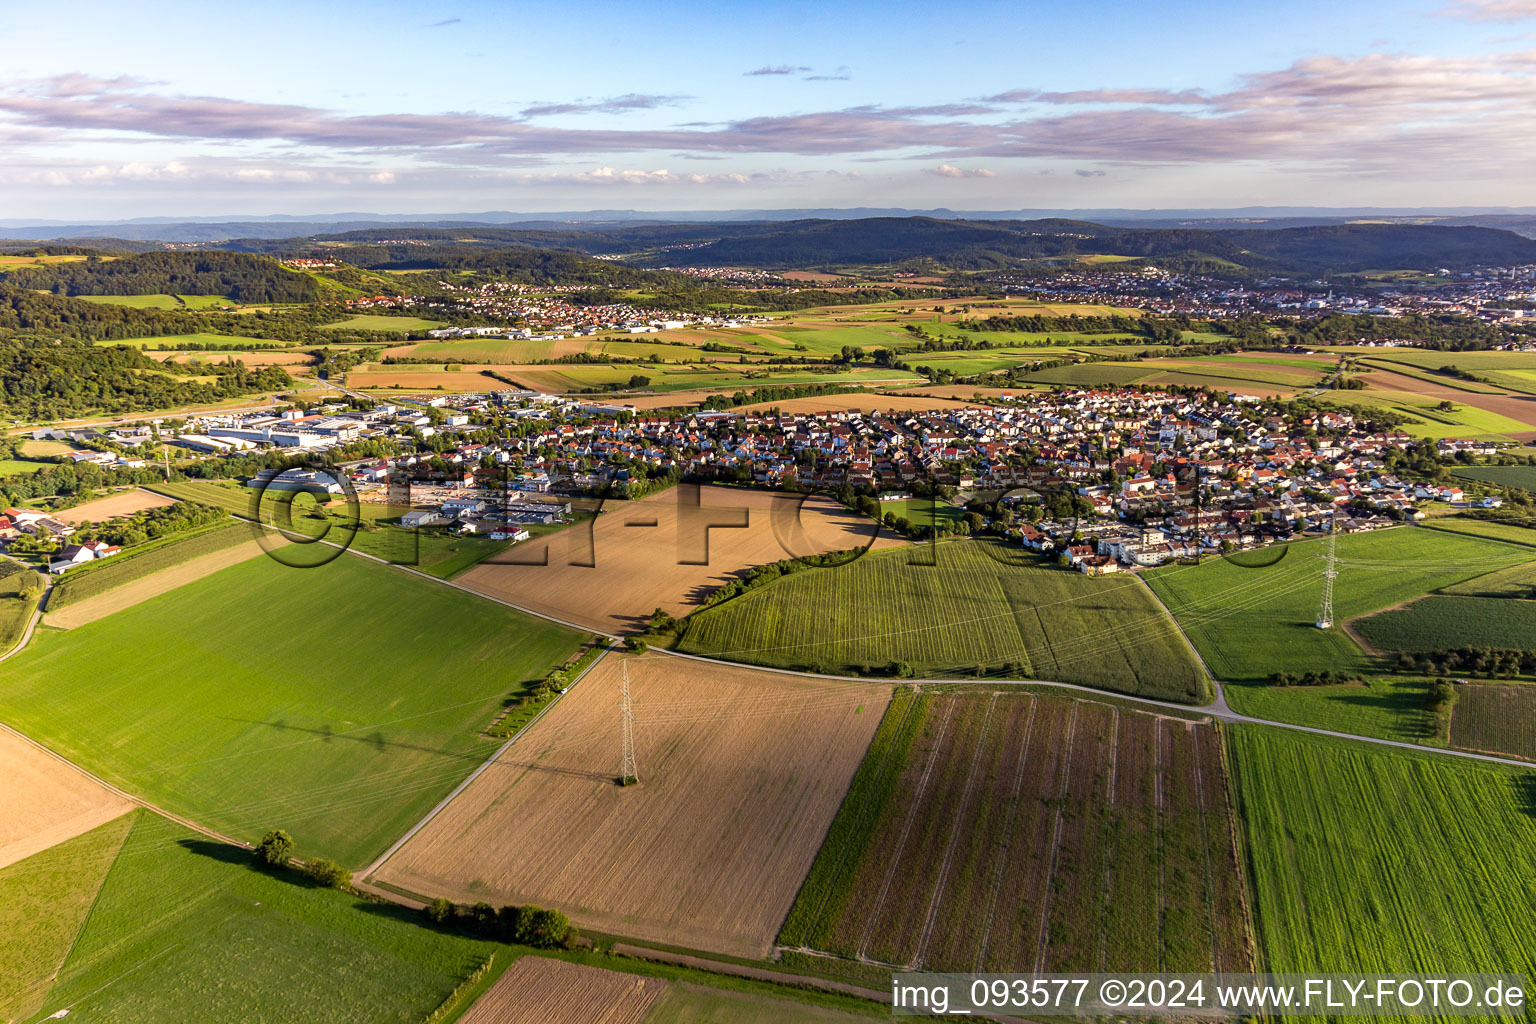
<point x="181" y="928"/>
<point x="339" y="703"/>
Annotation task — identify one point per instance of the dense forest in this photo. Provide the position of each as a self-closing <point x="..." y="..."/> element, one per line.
<point x="43" y="380"/>
<point x="25" y="313"/>
<point x="970" y="245"/>
<point x="238" y="276"/>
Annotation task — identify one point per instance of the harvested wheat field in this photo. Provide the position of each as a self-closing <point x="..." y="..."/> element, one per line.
<point x="658" y="553"/>
<point x="125" y="503"/>
<point x="44" y="801"/>
<point x="741" y="773"/>
<point x="163" y="582"/>
<point x="537" y="990"/>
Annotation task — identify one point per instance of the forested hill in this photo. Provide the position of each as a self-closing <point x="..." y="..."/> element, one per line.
<point x="42" y="380"/>
<point x="1344" y="248"/>
<point x="540" y="267"/>
<point x="234" y="275"/>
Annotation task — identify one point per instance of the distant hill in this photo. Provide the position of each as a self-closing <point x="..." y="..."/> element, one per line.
<point x="1340" y="248"/>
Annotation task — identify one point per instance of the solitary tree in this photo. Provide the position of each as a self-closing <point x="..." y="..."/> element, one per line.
<point x="275" y="848"/>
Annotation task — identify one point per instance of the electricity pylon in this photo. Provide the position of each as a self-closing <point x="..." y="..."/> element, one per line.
<point x="628" y="773"/>
<point x="1325" y="609"/>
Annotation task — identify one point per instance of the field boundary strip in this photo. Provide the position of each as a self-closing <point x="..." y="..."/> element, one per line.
<point x="954" y="836"/>
<point x="1003" y="853"/>
<point x="922" y="791"/>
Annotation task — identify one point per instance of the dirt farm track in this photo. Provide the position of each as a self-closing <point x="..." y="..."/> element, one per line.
<point x="666" y="552"/>
<point x="741" y="773"/>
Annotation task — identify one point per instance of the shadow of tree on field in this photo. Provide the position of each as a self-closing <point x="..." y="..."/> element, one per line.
<point x="237" y="856"/>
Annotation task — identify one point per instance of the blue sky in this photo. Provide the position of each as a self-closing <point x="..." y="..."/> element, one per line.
<point x="200" y="109"/>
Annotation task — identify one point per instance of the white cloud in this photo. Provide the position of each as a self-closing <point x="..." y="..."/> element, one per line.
<point x="950" y="171"/>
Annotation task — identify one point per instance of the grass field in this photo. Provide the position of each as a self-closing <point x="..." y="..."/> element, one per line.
<point x="1425" y="420"/>
<point x="740" y="774"/>
<point x="1091" y="374"/>
<point x="1509" y="533"/>
<point x="44" y="901"/>
<point x="38" y="449"/>
<point x="1516" y="581"/>
<point x="983" y="604"/>
<point x="1441" y="622"/>
<point x="1248" y="623"/>
<point x="997" y="832"/>
<point x="1380" y="861"/>
<point x="392" y="324"/>
<point x="161" y="301"/>
<point x="16" y="467"/>
<point x="922" y="511"/>
<point x="185" y="929"/>
<point x="1391" y="709"/>
<point x="339" y="703"/>
<point x="1496" y="719"/>
<point x="1523" y="477"/>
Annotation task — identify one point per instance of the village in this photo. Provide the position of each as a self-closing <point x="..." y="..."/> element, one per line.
<point x="1104" y="479"/>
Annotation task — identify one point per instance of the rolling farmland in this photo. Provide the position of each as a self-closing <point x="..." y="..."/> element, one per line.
<point x="1250" y="622"/>
<point x="741" y="773"/>
<point x="320" y="701"/>
<point x="1381" y="861"/>
<point x="1496" y="719"/>
<point x="1010" y="613"/>
<point x="1016" y="832"/>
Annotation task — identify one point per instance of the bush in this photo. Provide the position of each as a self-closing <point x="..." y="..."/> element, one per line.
<point x="328" y="873"/>
<point x="439" y="911"/>
<point x="275" y="848"/>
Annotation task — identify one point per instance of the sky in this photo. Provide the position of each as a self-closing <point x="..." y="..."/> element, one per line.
<point x="120" y="110"/>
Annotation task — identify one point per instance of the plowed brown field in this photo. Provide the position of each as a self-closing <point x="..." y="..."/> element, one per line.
<point x="661" y="553"/>
<point x="741" y="772"/>
<point x="44" y="801"/>
<point x="537" y="990"/>
<point x="124" y="504"/>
